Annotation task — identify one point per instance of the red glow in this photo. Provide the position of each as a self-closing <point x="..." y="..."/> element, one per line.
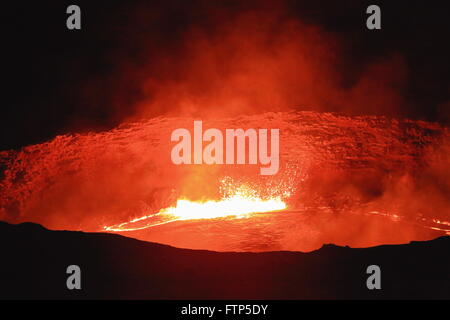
<point x="358" y="181"/>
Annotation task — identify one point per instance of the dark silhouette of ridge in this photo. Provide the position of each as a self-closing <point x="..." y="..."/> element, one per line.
<point x="34" y="261"/>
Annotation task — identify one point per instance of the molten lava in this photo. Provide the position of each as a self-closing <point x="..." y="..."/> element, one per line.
<point x="238" y="206"/>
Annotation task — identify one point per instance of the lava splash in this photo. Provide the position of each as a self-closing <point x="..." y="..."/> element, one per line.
<point x="236" y="207"/>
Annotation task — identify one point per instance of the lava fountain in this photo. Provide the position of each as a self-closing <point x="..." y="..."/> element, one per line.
<point x="236" y="206"/>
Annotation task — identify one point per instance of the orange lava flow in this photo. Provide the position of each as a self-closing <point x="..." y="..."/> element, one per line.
<point x="237" y="206"/>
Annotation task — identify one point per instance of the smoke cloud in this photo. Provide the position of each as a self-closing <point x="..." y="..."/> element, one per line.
<point x="245" y="60"/>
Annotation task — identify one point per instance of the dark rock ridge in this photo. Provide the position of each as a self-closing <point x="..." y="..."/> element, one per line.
<point x="34" y="262"/>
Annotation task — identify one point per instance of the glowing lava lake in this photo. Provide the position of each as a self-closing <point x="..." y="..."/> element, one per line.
<point x="357" y="181"/>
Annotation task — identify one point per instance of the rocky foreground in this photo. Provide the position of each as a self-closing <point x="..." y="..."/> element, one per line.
<point x="34" y="263"/>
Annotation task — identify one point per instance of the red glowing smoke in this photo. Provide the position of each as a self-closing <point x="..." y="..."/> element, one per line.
<point x="242" y="60"/>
